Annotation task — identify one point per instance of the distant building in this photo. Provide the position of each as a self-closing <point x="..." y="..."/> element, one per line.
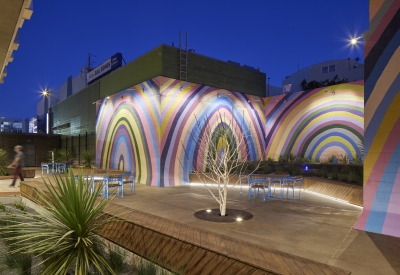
<point x="74" y="84"/>
<point x="13" y="125"/>
<point x="12" y="14"/>
<point x="43" y="108"/>
<point x="349" y="69"/>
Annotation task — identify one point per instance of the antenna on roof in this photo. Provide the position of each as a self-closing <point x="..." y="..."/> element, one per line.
<point x="89" y="61"/>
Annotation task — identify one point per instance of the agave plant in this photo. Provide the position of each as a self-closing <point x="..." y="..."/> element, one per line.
<point x="88" y="157"/>
<point x="3" y="162"/>
<point x="66" y="155"/>
<point x="64" y="233"/>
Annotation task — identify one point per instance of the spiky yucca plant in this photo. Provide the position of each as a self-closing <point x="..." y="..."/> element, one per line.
<point x="88" y="157"/>
<point x="63" y="234"/>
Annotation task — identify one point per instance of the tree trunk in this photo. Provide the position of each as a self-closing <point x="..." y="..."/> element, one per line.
<point x="223" y="201"/>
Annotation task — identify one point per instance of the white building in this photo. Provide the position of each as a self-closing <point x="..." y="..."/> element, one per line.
<point x="343" y="68"/>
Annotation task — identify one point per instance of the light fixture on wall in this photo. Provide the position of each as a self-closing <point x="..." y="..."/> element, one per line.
<point x="223" y="95"/>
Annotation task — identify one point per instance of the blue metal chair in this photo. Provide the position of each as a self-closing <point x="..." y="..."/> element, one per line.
<point x="129" y="178"/>
<point x="257" y="182"/>
<point x="61" y="168"/>
<point x="293" y="183"/>
<point x="45" y="166"/>
<point x="116" y="181"/>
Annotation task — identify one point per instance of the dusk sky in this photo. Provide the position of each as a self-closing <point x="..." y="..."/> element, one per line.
<point x="276" y="35"/>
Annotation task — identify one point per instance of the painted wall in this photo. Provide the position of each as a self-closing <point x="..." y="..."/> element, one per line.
<point x="317" y="123"/>
<point x="145" y="127"/>
<point x="381" y="211"/>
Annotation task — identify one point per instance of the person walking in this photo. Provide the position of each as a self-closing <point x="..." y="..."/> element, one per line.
<point x="18" y="164"/>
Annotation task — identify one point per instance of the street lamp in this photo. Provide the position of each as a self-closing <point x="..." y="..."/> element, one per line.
<point x="355" y="40"/>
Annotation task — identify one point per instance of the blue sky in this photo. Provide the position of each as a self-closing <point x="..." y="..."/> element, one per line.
<point x="276" y="35"/>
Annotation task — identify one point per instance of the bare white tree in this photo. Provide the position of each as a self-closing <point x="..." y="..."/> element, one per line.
<point x="221" y="154"/>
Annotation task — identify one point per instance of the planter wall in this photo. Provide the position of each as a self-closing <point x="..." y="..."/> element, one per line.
<point x="343" y="191"/>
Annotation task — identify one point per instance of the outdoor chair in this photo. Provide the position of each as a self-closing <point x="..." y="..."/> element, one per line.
<point x="256" y="182"/>
<point x="45" y="166"/>
<point x="115" y="181"/>
<point x="129" y="178"/>
<point x="293" y="183"/>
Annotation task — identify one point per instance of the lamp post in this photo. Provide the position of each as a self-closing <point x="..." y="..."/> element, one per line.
<point x="47" y="107"/>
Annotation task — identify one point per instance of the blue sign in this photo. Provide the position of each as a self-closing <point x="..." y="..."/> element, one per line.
<point x="104" y="68"/>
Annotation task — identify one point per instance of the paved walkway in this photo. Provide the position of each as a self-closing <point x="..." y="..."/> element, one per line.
<point x="316" y="228"/>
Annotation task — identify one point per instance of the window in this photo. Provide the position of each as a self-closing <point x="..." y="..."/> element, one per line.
<point x="328" y="69"/>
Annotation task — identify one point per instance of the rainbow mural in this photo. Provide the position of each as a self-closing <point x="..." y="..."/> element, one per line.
<point x="128" y="132"/>
<point x="381" y="213"/>
<point x="145" y="128"/>
<point x="316" y="123"/>
<point x="182" y="103"/>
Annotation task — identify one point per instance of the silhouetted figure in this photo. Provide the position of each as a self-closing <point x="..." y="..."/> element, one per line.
<point x="18" y="164"/>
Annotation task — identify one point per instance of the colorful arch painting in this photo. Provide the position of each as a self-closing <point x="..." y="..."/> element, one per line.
<point x="317" y="123"/>
<point x="127" y="133"/>
<point x="186" y="107"/>
<point x="381" y="213"/>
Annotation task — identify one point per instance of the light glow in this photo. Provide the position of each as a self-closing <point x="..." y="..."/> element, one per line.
<point x="239" y="219"/>
<point x="208" y="210"/>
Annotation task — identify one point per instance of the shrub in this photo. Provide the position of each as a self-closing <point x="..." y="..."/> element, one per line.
<point x="296" y="171"/>
<point x="344" y="159"/>
<point x="352" y="176"/>
<point x="270" y="159"/>
<point x="342" y="177"/>
<point x="331" y="159"/>
<point x="279" y="169"/>
<point x="304" y="160"/>
<point x="20" y="205"/>
<point x="335" y="174"/>
<point x="88" y="157"/>
<point x="292" y="158"/>
<point x="3" y="162"/>
<point x="267" y="169"/>
<point x="282" y="159"/>
<point x="324" y="172"/>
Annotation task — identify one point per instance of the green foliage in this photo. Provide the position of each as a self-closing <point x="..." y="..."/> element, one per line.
<point x="65" y="234"/>
<point x="352" y="176"/>
<point x="270" y="159"/>
<point x="296" y="171"/>
<point x="66" y="155"/>
<point x="317" y="160"/>
<point x="304" y="160"/>
<point x="3" y="162"/>
<point x="88" y="157"/>
<point x="324" y="172"/>
<point x="279" y="170"/>
<point x="313" y="84"/>
<point x="2" y="207"/>
<point x="292" y="158"/>
<point x="331" y="159"/>
<point x="20" y="205"/>
<point x="144" y="267"/>
<point x="343" y="177"/>
<point x="335" y="174"/>
<point x="267" y="169"/>
<point x="18" y="261"/>
<point x="344" y="159"/>
<point x="282" y="159"/>
<point x="356" y="159"/>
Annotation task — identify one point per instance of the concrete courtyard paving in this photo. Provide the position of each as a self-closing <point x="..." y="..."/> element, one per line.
<point x="315" y="227"/>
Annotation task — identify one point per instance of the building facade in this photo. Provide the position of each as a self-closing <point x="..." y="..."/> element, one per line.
<point x="348" y="69"/>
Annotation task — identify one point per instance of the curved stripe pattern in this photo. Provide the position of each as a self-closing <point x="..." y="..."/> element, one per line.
<point x="307" y="124"/>
<point x="189" y="108"/>
<point x="127" y="132"/>
<point x="381" y="211"/>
